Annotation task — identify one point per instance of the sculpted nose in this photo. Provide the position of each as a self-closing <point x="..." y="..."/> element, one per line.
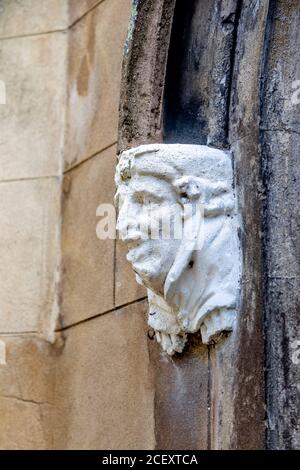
<point x="127" y="224"/>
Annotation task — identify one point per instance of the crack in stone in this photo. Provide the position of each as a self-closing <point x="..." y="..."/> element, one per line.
<point x="59" y="30"/>
<point x="284" y="129"/>
<point x="22" y="400"/>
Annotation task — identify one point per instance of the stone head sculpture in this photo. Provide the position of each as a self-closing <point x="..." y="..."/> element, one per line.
<point x="177" y="216"/>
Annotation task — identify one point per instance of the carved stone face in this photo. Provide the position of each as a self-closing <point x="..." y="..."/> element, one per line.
<point x="191" y="286"/>
<point x="146" y="201"/>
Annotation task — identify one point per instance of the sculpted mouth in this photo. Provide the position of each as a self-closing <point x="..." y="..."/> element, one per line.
<point x="136" y="252"/>
<point x="132" y="239"/>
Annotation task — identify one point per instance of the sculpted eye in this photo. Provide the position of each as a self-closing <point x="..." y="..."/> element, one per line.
<point x="145" y="199"/>
<point x="138" y="198"/>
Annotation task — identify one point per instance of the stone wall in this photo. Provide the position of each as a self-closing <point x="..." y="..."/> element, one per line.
<point x="74" y="365"/>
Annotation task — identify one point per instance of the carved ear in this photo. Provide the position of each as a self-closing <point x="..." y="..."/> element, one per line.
<point x="187" y="188"/>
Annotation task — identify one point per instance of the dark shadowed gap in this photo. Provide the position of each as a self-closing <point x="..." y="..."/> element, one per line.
<point x="182" y="122"/>
<point x="264" y="171"/>
<point x="199" y="72"/>
<point x="235" y="21"/>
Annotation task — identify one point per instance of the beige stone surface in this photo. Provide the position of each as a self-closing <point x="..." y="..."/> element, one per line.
<point x="95" y="58"/>
<point x="32" y="121"/>
<point x="127" y="289"/>
<point x="77" y="8"/>
<point x="88" y="263"/>
<point x="19" y="18"/>
<point x="22" y="425"/>
<point x="182" y="409"/>
<point x="28" y="372"/>
<point x="29" y="253"/>
<point x="27" y="385"/>
<point x="104" y="394"/>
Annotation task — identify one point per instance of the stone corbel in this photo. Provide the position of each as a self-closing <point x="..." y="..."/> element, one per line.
<point x="192" y="275"/>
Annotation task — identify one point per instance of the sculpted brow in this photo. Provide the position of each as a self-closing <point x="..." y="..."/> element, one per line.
<point x="146" y="193"/>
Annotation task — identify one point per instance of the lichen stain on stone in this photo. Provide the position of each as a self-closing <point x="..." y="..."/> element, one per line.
<point x="83" y="77"/>
<point x="131" y="26"/>
<point x="87" y="62"/>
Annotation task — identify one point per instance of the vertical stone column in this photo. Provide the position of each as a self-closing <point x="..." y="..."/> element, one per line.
<point x="280" y="144"/>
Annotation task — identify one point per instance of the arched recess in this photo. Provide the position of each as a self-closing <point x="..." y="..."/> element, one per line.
<point x="185" y="80"/>
<point x="206" y="72"/>
<point x="143" y="75"/>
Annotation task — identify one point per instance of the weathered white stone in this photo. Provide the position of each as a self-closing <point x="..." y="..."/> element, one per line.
<point x="193" y="279"/>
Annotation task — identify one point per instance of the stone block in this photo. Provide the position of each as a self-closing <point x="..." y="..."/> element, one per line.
<point x="78" y="8"/>
<point x="32" y="120"/>
<point x="182" y="406"/>
<point x="27" y="390"/>
<point x="104" y="391"/>
<point x="32" y="17"/>
<point x="29" y="252"/>
<point x="28" y="372"/>
<point x="95" y="58"/>
<point x="21" y="425"/>
<point x="88" y="263"/>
